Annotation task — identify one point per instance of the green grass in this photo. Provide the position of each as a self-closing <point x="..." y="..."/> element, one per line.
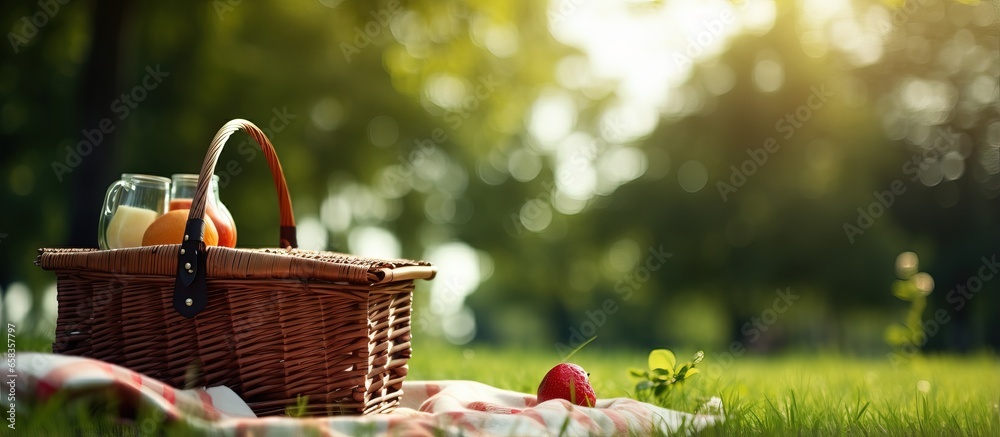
<point x="787" y="395"/>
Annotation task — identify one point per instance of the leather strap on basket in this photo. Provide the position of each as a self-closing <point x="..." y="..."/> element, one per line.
<point x="190" y="296"/>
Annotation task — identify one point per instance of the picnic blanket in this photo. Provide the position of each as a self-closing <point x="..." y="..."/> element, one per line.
<point x="428" y="407"/>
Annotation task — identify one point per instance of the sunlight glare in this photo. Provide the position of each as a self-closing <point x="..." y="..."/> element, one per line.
<point x="650" y="51"/>
<point x="622" y="123"/>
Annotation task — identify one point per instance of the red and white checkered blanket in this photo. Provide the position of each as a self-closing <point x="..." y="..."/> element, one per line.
<point x="428" y="407"/>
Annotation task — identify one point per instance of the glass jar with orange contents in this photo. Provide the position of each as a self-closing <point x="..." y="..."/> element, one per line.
<point x="182" y="190"/>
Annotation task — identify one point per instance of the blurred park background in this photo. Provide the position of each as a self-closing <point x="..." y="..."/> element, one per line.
<point x="658" y="173"/>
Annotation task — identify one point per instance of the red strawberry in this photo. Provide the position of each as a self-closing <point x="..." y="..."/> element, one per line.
<point x="570" y="382"/>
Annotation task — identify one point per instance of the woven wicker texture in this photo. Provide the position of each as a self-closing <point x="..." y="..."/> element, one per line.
<point x="279" y="323"/>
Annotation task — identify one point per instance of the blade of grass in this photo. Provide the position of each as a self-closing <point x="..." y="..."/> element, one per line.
<point x="862" y="411"/>
<point x="578" y="348"/>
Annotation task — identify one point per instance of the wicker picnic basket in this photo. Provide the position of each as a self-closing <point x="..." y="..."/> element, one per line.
<point x="275" y="325"/>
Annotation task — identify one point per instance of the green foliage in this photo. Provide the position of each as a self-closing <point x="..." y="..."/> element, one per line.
<point x="912" y="287"/>
<point x="300" y="407"/>
<point x="657" y="383"/>
<point x="785" y="226"/>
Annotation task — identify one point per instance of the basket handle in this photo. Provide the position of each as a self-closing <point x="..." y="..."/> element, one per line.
<point x="190" y="296"/>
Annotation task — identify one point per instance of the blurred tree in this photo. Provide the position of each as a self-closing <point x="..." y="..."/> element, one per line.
<point x="567" y="152"/>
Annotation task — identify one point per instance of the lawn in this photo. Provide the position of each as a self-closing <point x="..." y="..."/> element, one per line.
<point x="784" y="395"/>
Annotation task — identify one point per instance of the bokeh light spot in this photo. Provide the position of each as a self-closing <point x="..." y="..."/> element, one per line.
<point x="768" y="73"/>
<point x="814" y="44"/>
<point x="383" y="131"/>
<point x="624" y="254"/>
<point x="331" y="3"/>
<point x="524" y="165"/>
<point x="692" y="176"/>
<point x="22" y="180"/>
<point x="312" y="234"/>
<point x="373" y="242"/>
<point x="535" y="215"/>
<point x="439" y="208"/>
<point x="930" y="173"/>
<point x="952" y="166"/>
<point x="459" y="328"/>
<point x="552" y="118"/>
<point x="17" y="302"/>
<point x="445" y="91"/>
<point x="907" y="264"/>
<point x="327" y="114"/>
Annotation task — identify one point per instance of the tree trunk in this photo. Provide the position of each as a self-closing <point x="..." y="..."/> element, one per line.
<point x="98" y="87"/>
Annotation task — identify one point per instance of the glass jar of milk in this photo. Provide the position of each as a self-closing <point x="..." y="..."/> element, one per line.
<point x="131" y="204"/>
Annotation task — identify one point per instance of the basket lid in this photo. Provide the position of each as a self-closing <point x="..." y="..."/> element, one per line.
<point x="229" y="263"/>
